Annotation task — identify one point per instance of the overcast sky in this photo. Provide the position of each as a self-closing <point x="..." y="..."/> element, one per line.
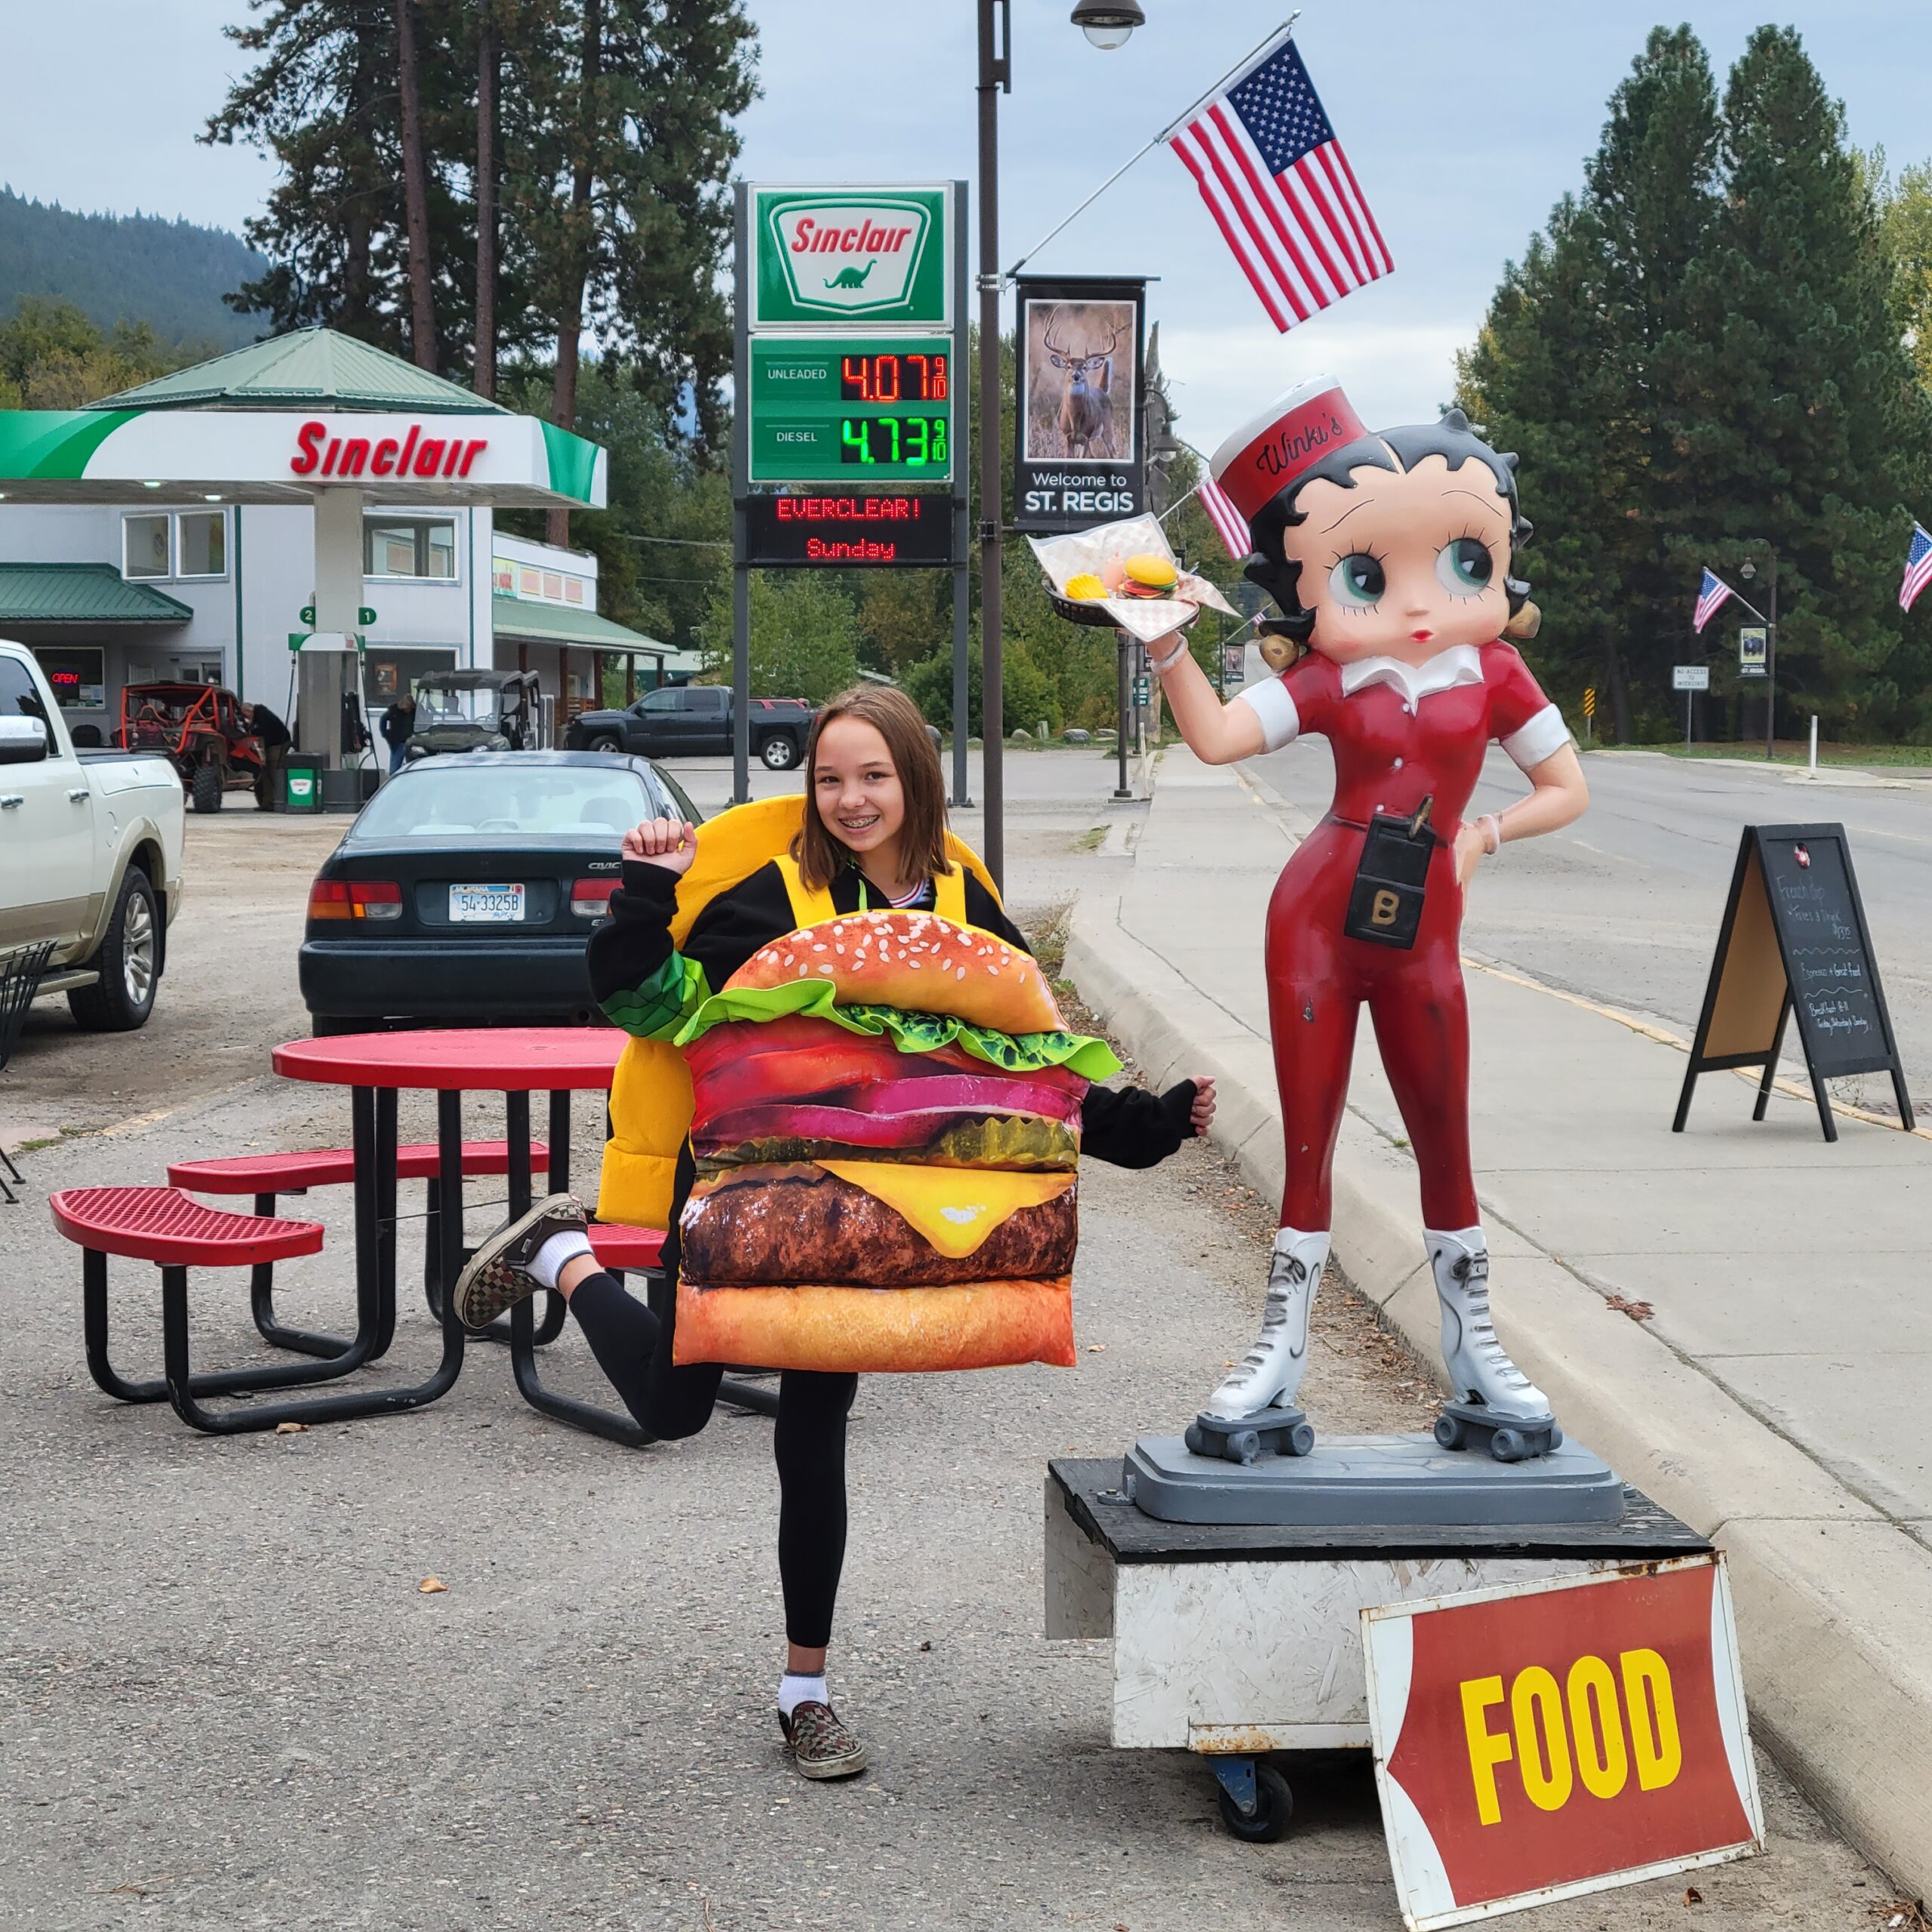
<point x="1465" y="120"/>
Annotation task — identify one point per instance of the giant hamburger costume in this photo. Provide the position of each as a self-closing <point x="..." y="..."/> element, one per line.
<point x="878" y="1113"/>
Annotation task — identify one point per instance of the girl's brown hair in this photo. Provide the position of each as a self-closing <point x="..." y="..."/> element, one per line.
<point x="821" y="856"/>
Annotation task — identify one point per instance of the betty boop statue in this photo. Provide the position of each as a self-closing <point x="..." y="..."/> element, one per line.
<point x="1391" y="559"/>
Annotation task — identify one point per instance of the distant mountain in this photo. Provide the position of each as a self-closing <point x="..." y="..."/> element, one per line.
<point x="138" y="268"/>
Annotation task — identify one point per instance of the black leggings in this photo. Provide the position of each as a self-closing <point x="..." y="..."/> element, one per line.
<point x="633" y="1348"/>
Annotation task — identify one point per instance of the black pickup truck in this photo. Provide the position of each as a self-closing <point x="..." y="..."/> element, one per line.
<point x="694" y="720"/>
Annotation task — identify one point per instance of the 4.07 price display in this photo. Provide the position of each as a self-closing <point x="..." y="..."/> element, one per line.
<point x="832" y="409"/>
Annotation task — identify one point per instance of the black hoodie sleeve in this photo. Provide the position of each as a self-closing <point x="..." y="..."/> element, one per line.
<point x="1130" y="1128"/>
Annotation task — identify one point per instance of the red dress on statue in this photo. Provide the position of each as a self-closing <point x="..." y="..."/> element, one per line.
<point x="1400" y="733"/>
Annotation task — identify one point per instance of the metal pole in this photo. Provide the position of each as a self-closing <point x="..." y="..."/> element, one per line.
<point x="1771" y="664"/>
<point x="741" y="581"/>
<point x="995" y="75"/>
<point x="1686" y="719"/>
<point x="1814" y="744"/>
<point x="1121" y="790"/>
<point x="962" y="581"/>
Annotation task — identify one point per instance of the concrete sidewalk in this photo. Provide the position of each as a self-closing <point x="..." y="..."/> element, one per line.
<point x="1775" y="1398"/>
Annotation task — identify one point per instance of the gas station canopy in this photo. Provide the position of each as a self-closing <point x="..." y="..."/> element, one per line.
<point x="283" y="421"/>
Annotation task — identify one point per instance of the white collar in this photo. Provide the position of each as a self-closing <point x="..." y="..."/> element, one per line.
<point x="1460" y="664"/>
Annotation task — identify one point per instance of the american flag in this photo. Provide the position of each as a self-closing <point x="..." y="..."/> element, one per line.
<point x="1917" y="566"/>
<point x="1230" y="525"/>
<point x="1280" y="190"/>
<point x="1711" y="594"/>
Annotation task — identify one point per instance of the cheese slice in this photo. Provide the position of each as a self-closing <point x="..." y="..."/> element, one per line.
<point x="955" y="1208"/>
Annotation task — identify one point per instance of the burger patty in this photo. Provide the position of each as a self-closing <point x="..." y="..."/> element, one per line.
<point x="808" y="1225"/>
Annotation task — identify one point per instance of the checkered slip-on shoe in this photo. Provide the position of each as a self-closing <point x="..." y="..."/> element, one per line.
<point x="498" y="1276"/>
<point x="820" y="1746"/>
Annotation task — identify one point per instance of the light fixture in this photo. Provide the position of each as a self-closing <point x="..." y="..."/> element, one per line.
<point x="1108" y="23"/>
<point x="150" y="486"/>
<point x="1747" y="570"/>
<point x="210" y="499"/>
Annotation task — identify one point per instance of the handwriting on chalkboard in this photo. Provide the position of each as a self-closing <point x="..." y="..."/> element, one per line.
<point x="1831" y="980"/>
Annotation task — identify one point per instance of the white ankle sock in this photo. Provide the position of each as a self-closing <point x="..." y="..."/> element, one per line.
<point x="794" y="1690"/>
<point x="548" y="1261"/>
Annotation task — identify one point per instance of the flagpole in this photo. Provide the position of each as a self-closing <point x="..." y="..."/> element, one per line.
<point x="1267" y="46"/>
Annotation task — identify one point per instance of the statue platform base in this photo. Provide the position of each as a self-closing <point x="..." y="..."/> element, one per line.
<point x="1372" y="1481"/>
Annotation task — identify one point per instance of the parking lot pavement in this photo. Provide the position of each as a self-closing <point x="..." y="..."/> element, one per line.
<point x="225" y="1702"/>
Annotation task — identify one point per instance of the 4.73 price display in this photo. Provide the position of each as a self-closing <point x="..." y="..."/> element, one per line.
<point x="822" y="408"/>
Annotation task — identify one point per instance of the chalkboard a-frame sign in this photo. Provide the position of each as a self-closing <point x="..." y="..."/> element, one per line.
<point x="1794" y="940"/>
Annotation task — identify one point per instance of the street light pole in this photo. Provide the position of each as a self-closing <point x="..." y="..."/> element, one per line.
<point x="1747" y="570"/>
<point x="996" y="78"/>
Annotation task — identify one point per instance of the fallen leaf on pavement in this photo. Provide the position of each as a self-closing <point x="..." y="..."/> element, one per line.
<point x="1692" y="1895"/>
<point x="1637" y="1311"/>
<point x="431" y="1586"/>
<point x="1096" y="1348"/>
<point x="291" y="1429"/>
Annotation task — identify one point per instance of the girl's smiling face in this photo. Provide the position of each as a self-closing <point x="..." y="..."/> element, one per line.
<point x="1405" y="564"/>
<point x="856" y="788"/>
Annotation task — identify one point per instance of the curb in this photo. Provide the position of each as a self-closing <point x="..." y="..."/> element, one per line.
<point x="1832" y="1599"/>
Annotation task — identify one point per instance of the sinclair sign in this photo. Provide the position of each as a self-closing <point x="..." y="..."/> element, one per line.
<point x="868" y="256"/>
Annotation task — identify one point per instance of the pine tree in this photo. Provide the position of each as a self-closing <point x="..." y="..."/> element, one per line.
<point x="1819" y="428"/>
<point x="1589" y="367"/>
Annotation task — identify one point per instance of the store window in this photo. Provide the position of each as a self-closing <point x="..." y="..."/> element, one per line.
<point x="410" y="547"/>
<point x="200" y="544"/>
<point x="76" y="675"/>
<point x="144" y="547"/>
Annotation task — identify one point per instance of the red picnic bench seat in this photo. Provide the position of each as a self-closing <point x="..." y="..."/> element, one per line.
<point x="163" y="1226"/>
<point x="335" y="1167"/>
<point x="618" y="1246"/>
<point x="268" y="1175"/>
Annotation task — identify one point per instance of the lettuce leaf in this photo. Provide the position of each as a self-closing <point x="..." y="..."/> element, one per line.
<point x="911" y="1032"/>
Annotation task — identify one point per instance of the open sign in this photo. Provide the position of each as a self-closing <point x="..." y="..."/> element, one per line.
<point x="1542" y="1740"/>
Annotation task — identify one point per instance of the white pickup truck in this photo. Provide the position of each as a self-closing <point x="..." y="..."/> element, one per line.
<point x="90" y="855"/>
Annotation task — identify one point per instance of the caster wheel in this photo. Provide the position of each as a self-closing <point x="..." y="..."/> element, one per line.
<point x="1245" y="1445"/>
<point x="1450" y="1432"/>
<point x="1556" y="1438"/>
<point x="1197" y="1443"/>
<point x="1274" y="1806"/>
<point x="1509" y="1445"/>
<point x="1301" y="1438"/>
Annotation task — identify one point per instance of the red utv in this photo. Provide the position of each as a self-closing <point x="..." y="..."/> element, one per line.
<point x="204" y="730"/>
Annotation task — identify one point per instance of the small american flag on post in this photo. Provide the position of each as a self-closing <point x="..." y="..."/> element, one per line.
<point x="1274" y="178"/>
<point x="1712" y="594"/>
<point x="1230" y="525"/>
<point x="1917" y="566"/>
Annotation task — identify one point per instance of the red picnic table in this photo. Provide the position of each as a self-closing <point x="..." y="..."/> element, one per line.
<point x="515" y="1061"/>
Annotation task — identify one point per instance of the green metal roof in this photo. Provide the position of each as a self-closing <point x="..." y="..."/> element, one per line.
<point x="557" y="623"/>
<point x="82" y="594"/>
<point x="310" y="369"/>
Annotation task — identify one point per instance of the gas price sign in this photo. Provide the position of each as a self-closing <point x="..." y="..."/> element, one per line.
<point x="855" y="411"/>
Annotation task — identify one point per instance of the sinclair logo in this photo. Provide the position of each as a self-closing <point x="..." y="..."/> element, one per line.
<point x="863" y="255"/>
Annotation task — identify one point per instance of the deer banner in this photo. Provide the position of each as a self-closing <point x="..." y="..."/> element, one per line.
<point x="1077" y="459"/>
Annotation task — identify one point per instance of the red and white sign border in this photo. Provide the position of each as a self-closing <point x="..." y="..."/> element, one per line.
<point x="1422" y="1881"/>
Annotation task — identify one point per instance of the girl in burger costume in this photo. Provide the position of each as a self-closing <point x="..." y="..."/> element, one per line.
<point x="1391" y="559"/>
<point x="780" y="1183"/>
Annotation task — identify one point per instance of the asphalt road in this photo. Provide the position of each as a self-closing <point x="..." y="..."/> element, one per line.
<point x="1624" y="906"/>
<point x="225" y="1702"/>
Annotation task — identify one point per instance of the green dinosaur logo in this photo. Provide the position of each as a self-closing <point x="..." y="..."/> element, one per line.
<point x="852" y="277"/>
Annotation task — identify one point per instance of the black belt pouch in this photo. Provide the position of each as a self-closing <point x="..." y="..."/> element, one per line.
<point x="1385" y="907"/>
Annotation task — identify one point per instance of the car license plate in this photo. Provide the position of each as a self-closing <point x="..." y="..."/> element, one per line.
<point x="485" y="905"/>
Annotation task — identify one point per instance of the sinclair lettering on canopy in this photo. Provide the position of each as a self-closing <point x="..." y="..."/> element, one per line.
<point x="901" y="531"/>
<point x="332" y="451"/>
<point x="1538" y="1740"/>
<point x="863" y="255"/>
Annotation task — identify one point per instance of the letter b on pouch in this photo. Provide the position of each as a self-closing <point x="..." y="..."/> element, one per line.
<point x="1385" y="905"/>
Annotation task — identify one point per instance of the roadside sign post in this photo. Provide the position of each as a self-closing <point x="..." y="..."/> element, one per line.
<point x="850" y="351"/>
<point x="1689" y="679"/>
<point x="1589" y="710"/>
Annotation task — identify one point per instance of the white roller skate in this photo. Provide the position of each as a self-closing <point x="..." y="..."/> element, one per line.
<point x="1253" y="1410"/>
<point x="1493" y="1400"/>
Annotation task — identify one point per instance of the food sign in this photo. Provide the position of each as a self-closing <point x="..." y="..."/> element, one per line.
<point x="1537" y="1741"/>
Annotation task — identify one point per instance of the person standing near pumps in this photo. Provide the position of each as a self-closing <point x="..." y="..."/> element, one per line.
<point x="398" y="722"/>
<point x="1392" y="560"/>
